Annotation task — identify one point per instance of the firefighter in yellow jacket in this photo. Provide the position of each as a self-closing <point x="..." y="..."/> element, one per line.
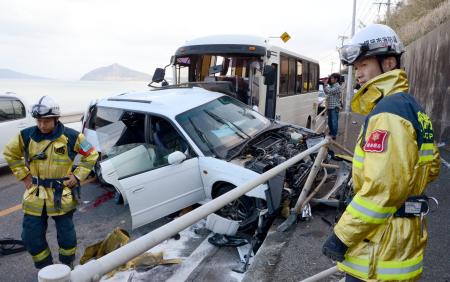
<point x="42" y="156"/>
<point x="381" y="235"/>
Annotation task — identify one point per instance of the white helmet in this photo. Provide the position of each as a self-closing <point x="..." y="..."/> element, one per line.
<point x="46" y="107"/>
<point x="373" y="40"/>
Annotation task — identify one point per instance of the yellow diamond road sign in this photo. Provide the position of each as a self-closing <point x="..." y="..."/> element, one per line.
<point x="285" y="37"/>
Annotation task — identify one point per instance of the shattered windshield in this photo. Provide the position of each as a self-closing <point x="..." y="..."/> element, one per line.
<point x="221" y="124"/>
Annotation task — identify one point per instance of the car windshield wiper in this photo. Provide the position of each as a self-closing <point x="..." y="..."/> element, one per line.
<point x="240" y="132"/>
<point x="203" y="138"/>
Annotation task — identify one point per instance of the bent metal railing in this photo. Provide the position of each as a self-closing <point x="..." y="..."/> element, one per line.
<point x="95" y="269"/>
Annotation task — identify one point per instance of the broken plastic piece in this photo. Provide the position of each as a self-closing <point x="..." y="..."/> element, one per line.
<point x="221" y="225"/>
<point x="220" y="240"/>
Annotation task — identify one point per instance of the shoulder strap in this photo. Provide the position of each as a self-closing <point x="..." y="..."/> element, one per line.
<point x="72" y="136"/>
<point x="400" y="104"/>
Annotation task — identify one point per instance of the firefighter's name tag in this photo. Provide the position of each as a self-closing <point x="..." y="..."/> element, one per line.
<point x="376" y="143"/>
<point x="413" y="207"/>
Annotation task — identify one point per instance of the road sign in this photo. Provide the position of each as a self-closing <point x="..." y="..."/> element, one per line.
<point x="285" y="37"/>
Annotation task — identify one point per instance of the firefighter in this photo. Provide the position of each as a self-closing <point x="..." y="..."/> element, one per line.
<point x="42" y="157"/>
<point x="382" y="235"/>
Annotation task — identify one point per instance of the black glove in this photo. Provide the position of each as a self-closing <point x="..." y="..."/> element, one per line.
<point x="334" y="248"/>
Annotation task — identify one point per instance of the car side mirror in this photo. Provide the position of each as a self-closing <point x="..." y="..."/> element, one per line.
<point x="158" y="75"/>
<point x="176" y="157"/>
<point x="269" y="74"/>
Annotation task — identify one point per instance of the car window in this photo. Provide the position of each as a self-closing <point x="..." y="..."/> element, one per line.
<point x="119" y="130"/>
<point x="221" y="124"/>
<point x="136" y="142"/>
<point x="165" y="139"/>
<point x="19" y="109"/>
<point x="6" y="110"/>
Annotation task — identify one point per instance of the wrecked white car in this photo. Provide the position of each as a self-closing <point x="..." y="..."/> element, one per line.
<point x="168" y="149"/>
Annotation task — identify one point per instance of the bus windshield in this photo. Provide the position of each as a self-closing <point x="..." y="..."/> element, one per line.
<point x="234" y="71"/>
<point x="221" y="124"/>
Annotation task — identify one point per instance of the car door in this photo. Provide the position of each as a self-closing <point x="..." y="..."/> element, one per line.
<point x="12" y="119"/>
<point x="153" y="187"/>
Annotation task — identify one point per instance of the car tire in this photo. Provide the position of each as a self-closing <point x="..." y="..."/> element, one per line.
<point x="243" y="210"/>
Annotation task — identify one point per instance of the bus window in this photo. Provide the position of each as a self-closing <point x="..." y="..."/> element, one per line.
<point x="291" y="83"/>
<point x="305" y="77"/>
<point x="299" y="77"/>
<point x="313" y="77"/>
<point x="284" y="75"/>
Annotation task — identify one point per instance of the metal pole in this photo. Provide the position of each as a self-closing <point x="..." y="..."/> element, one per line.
<point x="349" y="82"/>
<point x="94" y="269"/>
<point x="321" y="275"/>
<point x="342" y="38"/>
<point x="309" y="181"/>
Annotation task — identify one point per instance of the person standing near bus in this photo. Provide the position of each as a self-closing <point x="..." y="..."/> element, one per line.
<point x="382" y="234"/>
<point x="332" y="92"/>
<point x="42" y="157"/>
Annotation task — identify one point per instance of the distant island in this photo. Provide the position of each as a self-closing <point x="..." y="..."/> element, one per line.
<point x="116" y="72"/>
<point x="10" y="74"/>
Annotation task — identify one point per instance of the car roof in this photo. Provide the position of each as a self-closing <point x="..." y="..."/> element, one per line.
<point x="168" y="102"/>
<point x="9" y="95"/>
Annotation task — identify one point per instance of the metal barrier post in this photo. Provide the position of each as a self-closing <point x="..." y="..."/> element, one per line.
<point x="94" y="269"/>
<point x="321" y="275"/>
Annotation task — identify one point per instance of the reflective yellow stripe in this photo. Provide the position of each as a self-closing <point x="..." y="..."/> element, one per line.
<point x="67" y="252"/>
<point x="358" y="158"/>
<point x="399" y="270"/>
<point x="427" y="146"/>
<point x="62" y="161"/>
<point x="32" y="207"/>
<point x="426" y="152"/>
<point x="86" y="165"/>
<point x="16" y="164"/>
<point x="386" y="270"/>
<point x="369" y="211"/>
<point x="41" y="256"/>
<point x="355" y="266"/>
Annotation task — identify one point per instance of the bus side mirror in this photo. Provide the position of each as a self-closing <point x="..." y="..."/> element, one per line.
<point x="269" y="74"/>
<point x="158" y="75"/>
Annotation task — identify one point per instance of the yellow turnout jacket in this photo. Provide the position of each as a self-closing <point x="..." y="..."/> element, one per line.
<point x="64" y="144"/>
<point x="395" y="157"/>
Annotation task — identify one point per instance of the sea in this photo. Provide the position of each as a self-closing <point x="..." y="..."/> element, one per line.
<point x="73" y="96"/>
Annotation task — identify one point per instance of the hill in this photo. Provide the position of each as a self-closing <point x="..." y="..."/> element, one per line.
<point x="10" y="74"/>
<point x="116" y="72"/>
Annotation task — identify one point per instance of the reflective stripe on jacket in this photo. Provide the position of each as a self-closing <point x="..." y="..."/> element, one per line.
<point x="381" y="246"/>
<point x="65" y="144"/>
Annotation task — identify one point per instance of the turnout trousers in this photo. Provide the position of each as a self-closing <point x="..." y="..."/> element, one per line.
<point x="34" y="229"/>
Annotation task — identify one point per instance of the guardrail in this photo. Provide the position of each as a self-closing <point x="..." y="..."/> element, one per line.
<point x="72" y="117"/>
<point x="95" y="269"/>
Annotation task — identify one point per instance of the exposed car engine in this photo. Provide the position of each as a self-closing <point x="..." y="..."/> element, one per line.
<point x="275" y="147"/>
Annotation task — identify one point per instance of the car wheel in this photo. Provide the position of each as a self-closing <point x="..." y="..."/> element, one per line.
<point x="242" y="209"/>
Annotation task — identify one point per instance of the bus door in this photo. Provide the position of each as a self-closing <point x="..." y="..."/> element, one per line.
<point x="271" y="97"/>
<point x="254" y="84"/>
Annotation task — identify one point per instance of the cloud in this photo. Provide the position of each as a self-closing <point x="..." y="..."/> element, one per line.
<point x="66" y="38"/>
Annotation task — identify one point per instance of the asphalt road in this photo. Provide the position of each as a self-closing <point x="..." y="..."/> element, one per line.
<point x="296" y="255"/>
<point x="98" y="215"/>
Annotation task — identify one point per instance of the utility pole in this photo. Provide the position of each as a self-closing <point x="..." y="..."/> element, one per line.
<point x="388" y="11"/>
<point x="350" y="68"/>
<point x="348" y="97"/>
<point x="332" y="64"/>
<point x="342" y="38"/>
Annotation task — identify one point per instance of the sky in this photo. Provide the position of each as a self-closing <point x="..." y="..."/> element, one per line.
<point x="64" y="39"/>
